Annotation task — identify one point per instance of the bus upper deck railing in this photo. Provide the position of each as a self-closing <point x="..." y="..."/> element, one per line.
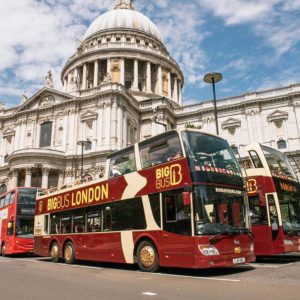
<point x="52" y="190"/>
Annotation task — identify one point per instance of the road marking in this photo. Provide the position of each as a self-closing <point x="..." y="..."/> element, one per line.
<point x="195" y="277"/>
<point x="270" y="265"/>
<point x="65" y="265"/>
<point x="149" y="294"/>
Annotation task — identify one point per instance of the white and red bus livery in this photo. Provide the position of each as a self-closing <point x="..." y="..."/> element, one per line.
<point x="274" y="200"/>
<point x="174" y="200"/>
<point x="17" y="209"/>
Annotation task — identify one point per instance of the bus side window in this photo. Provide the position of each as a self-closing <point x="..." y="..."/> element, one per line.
<point x="258" y="213"/>
<point x="255" y="158"/>
<point x="46" y="224"/>
<point x="122" y="163"/>
<point x="2" y="200"/>
<point x="94" y="220"/>
<point x="55" y="224"/>
<point x="7" y="197"/>
<point x="12" y="198"/>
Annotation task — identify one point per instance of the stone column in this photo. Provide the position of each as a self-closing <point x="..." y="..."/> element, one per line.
<point x="96" y="69"/>
<point x="108" y="67"/>
<point x="65" y="84"/>
<point x="122" y="78"/>
<point x="148" y="89"/>
<point x="45" y="176"/>
<point x="28" y="177"/>
<point x="135" y="75"/>
<point x="169" y="86"/>
<point x="175" y="93"/>
<point x="61" y="178"/>
<point x="14" y="178"/>
<point x="159" y="81"/>
<point x="84" y="77"/>
<point x="179" y="92"/>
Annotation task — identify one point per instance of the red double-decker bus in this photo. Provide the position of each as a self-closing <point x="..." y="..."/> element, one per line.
<point x="17" y="209"/>
<point x="174" y="200"/>
<point x="274" y="200"/>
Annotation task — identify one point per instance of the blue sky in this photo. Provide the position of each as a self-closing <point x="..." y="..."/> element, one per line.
<point x="255" y="44"/>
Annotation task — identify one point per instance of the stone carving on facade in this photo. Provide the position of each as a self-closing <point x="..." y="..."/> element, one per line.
<point x="28" y="170"/>
<point x="45" y="171"/>
<point x="101" y="104"/>
<point x="208" y="119"/>
<point x="124" y="4"/>
<point x="49" y="80"/>
<point x="47" y="100"/>
<point x="252" y="112"/>
<point x="70" y="173"/>
<point x="296" y="104"/>
<point x="107" y="78"/>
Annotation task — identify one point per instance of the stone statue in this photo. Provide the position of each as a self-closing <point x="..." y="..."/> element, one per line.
<point x="107" y="78"/>
<point x="49" y="79"/>
<point x="124" y="4"/>
<point x="24" y="97"/>
<point x="2" y="107"/>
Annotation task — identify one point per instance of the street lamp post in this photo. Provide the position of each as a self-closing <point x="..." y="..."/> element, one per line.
<point x="214" y="78"/>
<point x="83" y="143"/>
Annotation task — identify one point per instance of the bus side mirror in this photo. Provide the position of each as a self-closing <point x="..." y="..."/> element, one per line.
<point x="186" y="198"/>
<point x="262" y="200"/>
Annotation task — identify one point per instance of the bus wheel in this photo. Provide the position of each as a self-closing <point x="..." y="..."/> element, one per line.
<point x="3" y="250"/>
<point x="54" y="252"/>
<point x="69" y="253"/>
<point x="147" y="257"/>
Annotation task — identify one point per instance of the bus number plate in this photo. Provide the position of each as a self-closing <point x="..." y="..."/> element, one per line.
<point x="239" y="260"/>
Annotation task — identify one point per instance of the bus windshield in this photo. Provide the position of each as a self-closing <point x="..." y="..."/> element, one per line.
<point x="290" y="212"/>
<point x="25" y="212"/>
<point x="219" y="211"/>
<point x="206" y="152"/>
<point x="278" y="162"/>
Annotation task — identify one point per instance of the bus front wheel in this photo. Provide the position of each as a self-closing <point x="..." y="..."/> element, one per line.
<point x="69" y="253"/>
<point x="54" y="253"/>
<point x="147" y="257"/>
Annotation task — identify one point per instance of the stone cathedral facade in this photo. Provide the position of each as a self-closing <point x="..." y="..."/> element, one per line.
<point x="118" y="83"/>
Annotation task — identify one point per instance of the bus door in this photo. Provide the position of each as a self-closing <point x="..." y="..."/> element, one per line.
<point x="176" y="244"/>
<point x="274" y="223"/>
<point x="259" y="224"/>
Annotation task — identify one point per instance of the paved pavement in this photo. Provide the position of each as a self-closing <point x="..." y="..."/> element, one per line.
<point x="38" y="278"/>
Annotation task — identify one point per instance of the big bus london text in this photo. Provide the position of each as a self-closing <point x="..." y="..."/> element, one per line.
<point x="175" y="200"/>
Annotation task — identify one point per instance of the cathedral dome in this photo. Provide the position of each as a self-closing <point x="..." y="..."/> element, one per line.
<point x="123" y="18"/>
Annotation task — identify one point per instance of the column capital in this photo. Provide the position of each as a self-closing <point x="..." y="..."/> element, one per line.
<point x="45" y="171"/>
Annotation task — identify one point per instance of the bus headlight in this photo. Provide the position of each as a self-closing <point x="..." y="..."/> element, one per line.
<point x="208" y="250"/>
<point x="288" y="242"/>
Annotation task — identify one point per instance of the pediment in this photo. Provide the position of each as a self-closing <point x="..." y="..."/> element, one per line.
<point x="88" y="115"/>
<point x="45" y="97"/>
<point x="231" y="123"/>
<point x="278" y="115"/>
<point x="8" y="132"/>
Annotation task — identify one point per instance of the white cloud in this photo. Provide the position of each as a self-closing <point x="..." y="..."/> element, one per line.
<point x="240" y="11"/>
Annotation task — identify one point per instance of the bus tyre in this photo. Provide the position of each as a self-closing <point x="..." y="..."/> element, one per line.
<point x="3" y="250"/>
<point x="147" y="257"/>
<point x="69" y="253"/>
<point x="54" y="253"/>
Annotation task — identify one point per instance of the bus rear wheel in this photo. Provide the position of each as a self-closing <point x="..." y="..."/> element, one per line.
<point x="147" y="257"/>
<point x="69" y="253"/>
<point x="54" y="252"/>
